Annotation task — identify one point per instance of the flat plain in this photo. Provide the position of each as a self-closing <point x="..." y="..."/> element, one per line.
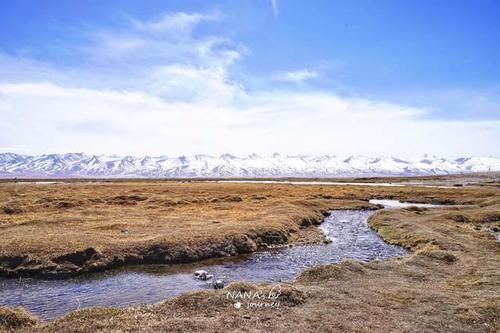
<point x="449" y="282"/>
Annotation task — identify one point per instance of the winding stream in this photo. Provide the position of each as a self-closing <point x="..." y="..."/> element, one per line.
<point x="351" y="239"/>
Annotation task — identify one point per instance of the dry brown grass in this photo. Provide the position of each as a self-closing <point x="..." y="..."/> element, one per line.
<point x="65" y="229"/>
<point x="15" y="318"/>
<point x="450" y="282"/>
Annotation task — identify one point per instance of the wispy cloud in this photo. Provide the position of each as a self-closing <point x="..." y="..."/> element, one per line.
<point x="456" y="103"/>
<point x="179" y="23"/>
<point x="166" y="40"/>
<point x="299" y="75"/>
<point x="274" y="4"/>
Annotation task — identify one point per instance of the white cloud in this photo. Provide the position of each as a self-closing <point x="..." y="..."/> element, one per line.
<point x="160" y="88"/>
<point x="192" y="84"/>
<point x="457" y="103"/>
<point x="49" y="118"/>
<point x="299" y="76"/>
<point x="169" y="40"/>
<point x="179" y="23"/>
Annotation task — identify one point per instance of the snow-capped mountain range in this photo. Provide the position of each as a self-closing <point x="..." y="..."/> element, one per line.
<point x="224" y="166"/>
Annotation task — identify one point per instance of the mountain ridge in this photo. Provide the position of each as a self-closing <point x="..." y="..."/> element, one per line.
<point x="228" y="165"/>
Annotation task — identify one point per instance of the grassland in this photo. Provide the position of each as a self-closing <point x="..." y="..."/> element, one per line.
<point x="450" y="282"/>
<point x="62" y="230"/>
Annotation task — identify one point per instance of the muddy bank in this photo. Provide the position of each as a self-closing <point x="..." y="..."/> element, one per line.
<point x="91" y="260"/>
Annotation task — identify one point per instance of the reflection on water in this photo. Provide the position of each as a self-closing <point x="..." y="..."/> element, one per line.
<point x="351" y="236"/>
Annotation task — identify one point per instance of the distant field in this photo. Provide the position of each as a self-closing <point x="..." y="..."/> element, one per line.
<point x="483" y="179"/>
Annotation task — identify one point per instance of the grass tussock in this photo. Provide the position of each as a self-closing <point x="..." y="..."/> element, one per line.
<point x="434" y="252"/>
<point x="346" y="269"/>
<point x="15" y="318"/>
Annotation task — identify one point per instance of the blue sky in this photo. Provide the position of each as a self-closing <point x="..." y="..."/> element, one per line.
<point x="180" y="77"/>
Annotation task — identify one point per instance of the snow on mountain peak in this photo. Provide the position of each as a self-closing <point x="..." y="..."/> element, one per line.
<point x="227" y="165"/>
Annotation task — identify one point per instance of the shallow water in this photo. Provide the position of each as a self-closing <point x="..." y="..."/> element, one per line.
<point x="413" y="184"/>
<point x="352" y="239"/>
<point x="398" y="204"/>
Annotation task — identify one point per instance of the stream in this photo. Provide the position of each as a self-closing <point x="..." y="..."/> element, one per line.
<point x="351" y="237"/>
